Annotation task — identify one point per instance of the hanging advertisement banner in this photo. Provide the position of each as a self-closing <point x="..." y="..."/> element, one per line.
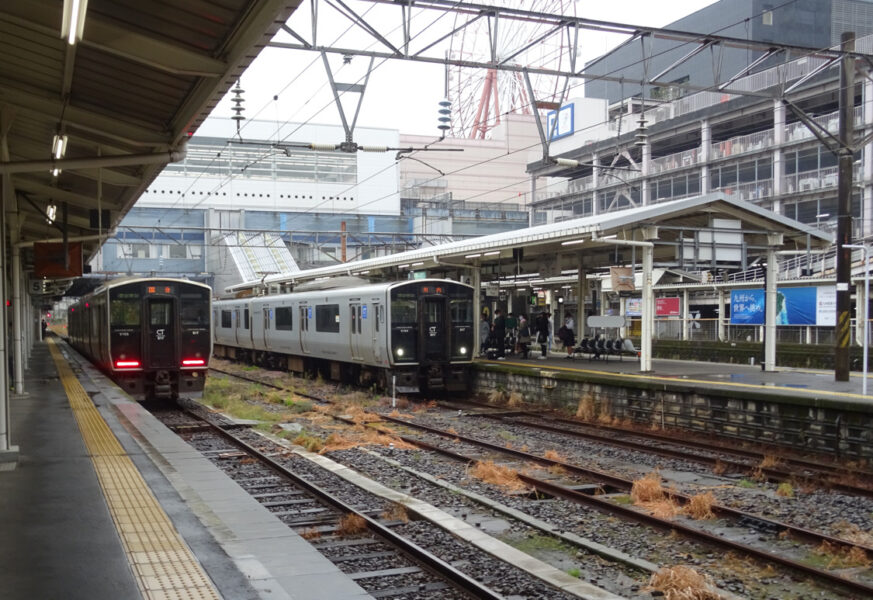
<point x="622" y="279"/>
<point x="667" y="307"/>
<point x="794" y="306"/>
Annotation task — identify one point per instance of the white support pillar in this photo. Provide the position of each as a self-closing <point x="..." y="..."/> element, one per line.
<point x="860" y="312"/>
<point x="648" y="324"/>
<point x="705" y="145"/>
<point x="582" y="296"/>
<point x="476" y="282"/>
<point x="595" y="180"/>
<point x="778" y="162"/>
<point x="18" y="347"/>
<point x="721" y="315"/>
<point x="774" y="240"/>
<point x="867" y="161"/>
<point x="533" y="198"/>
<point x="686" y="316"/>
<point x="645" y="167"/>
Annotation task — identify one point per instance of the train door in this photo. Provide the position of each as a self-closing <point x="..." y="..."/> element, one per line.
<point x="433" y="328"/>
<point x="305" y="314"/>
<point x="266" y="327"/>
<point x="377" y="324"/>
<point x="355" y="317"/>
<point x="161" y="345"/>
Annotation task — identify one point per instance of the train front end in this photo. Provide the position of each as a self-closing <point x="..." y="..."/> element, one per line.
<point x="431" y="335"/>
<point x="160" y="337"/>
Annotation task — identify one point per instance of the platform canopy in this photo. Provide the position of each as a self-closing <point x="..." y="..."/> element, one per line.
<point x="709" y="231"/>
<point x="125" y="95"/>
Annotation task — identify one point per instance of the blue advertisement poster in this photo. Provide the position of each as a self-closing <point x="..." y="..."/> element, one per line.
<point x="794" y="306"/>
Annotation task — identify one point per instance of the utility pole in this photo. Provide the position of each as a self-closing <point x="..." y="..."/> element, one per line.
<point x="844" y="207"/>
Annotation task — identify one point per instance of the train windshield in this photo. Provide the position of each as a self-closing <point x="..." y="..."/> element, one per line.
<point x="124" y="309"/>
<point x="462" y="311"/>
<point x="195" y="308"/>
<point x="403" y="312"/>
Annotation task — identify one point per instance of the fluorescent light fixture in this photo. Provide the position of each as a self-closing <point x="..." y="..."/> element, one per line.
<point x="406" y="266"/>
<point x="73" y="23"/>
<point x="573" y="242"/>
<point x="473" y="255"/>
<point x="59" y="146"/>
<point x="51" y="212"/>
<point x="609" y="237"/>
<point x="364" y="272"/>
<point x="417" y="264"/>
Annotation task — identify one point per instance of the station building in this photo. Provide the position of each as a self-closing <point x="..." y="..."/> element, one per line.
<point x="242" y="206"/>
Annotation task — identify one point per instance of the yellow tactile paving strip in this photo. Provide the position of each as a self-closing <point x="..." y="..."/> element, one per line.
<point x="163" y="566"/>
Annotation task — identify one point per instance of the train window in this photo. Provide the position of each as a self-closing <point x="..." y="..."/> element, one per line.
<point x="462" y="311"/>
<point x="124" y="312"/>
<point x="194" y="312"/>
<point x="284" y="318"/>
<point x="433" y="312"/>
<point x="403" y="311"/>
<point x="246" y="318"/>
<point x="226" y="320"/>
<point x="378" y="318"/>
<point x="327" y="318"/>
<point x="160" y="313"/>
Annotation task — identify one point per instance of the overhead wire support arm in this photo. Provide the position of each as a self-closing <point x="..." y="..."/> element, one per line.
<point x="347" y="87"/>
<point x="824" y="136"/>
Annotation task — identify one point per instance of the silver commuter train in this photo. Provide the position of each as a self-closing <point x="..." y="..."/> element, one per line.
<point x="417" y="334"/>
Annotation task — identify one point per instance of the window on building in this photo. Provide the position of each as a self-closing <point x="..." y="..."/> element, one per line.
<point x="196" y="251"/>
<point x="327" y="318"/>
<point x="767" y="17"/>
<point x="177" y="251"/>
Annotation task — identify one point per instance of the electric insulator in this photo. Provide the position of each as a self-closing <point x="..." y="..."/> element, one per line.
<point x="444" y="120"/>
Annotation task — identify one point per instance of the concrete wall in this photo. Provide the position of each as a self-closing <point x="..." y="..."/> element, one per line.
<point x="832" y="427"/>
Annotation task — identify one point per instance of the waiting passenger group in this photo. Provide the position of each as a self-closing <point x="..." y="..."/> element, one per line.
<point x="515" y="334"/>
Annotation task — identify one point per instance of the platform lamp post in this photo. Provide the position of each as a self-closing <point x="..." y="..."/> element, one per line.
<point x="866" y="250"/>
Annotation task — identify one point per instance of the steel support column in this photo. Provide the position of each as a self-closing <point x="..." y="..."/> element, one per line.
<point x="770" y="305"/>
<point x="844" y="210"/>
<point x="648" y="324"/>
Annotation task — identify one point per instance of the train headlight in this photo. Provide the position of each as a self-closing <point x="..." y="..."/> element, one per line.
<point x="400" y="352"/>
<point x="463" y="349"/>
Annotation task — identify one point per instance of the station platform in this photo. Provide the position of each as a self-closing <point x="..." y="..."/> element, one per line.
<point x="106" y="503"/>
<point x="799" y="383"/>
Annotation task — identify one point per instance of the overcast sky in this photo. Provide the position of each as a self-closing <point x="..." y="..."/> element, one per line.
<point x="401" y="94"/>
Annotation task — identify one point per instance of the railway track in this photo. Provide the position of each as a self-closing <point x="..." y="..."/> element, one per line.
<point x="317" y="504"/>
<point x="608" y="482"/>
<point x="785" y="469"/>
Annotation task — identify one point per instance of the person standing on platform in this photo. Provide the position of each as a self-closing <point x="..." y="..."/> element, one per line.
<point x="542" y="328"/>
<point x="498" y="330"/>
<point x="44" y="326"/>
<point x="523" y="336"/>
<point x="484" y="334"/>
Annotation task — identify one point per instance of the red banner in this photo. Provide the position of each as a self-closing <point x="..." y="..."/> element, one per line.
<point x="667" y="307"/>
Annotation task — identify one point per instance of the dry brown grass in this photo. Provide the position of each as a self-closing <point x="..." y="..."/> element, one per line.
<point x="700" y="506"/>
<point x="515" y="400"/>
<point x="557" y="470"/>
<point x="769" y="461"/>
<point x="852" y="533"/>
<point x="843" y="557"/>
<point x="719" y="468"/>
<point x="310" y="442"/>
<point x="396" y="414"/>
<point x="647" y="489"/>
<point x="310" y="533"/>
<point x="396" y="512"/>
<point x="649" y="494"/>
<point x="452" y="430"/>
<point x="498" y="475"/>
<point x="586" y="410"/>
<point x="682" y="583"/>
<point x="496" y="396"/>
<point x="554" y="455"/>
<point x="351" y="524"/>
<point x="359" y="415"/>
<point x="337" y="441"/>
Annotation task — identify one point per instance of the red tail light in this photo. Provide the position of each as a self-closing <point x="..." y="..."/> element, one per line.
<point x="126" y="364"/>
<point x="193" y="362"/>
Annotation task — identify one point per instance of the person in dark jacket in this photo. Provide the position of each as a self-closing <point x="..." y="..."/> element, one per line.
<point x="542" y="327"/>
<point x="498" y="330"/>
<point x="484" y="334"/>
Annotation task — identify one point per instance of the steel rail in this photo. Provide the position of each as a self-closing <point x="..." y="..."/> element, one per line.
<point x="455" y="577"/>
<point x="626" y="485"/>
<point x="772" y="473"/>
<point x="553" y="489"/>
